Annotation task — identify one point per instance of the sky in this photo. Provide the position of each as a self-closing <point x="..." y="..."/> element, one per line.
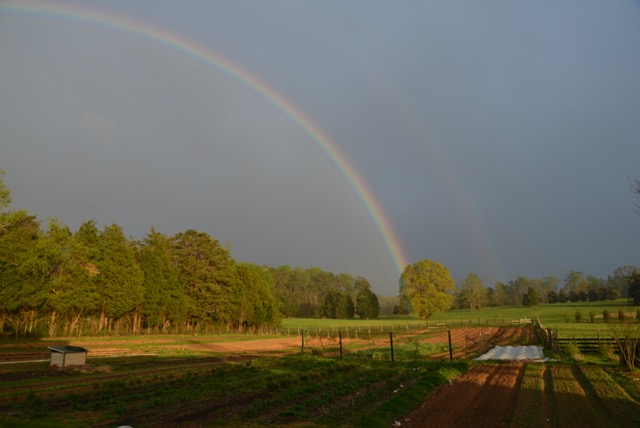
<point x="493" y="137"/>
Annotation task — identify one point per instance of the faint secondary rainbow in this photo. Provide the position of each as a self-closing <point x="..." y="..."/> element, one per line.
<point x="192" y="49"/>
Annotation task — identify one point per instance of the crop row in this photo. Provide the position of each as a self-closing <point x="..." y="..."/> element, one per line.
<point x="576" y="395"/>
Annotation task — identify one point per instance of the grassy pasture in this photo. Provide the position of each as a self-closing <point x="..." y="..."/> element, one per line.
<point x="551" y="316"/>
<point x="294" y="324"/>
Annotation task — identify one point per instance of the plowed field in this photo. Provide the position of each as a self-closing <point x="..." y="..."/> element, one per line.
<point x="530" y="395"/>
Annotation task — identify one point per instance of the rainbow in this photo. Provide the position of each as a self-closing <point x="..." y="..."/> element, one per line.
<point x="192" y="49"/>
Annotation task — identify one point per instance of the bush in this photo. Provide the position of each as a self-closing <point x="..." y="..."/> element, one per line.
<point x="565" y="316"/>
<point x="573" y="350"/>
<point x="606" y="315"/>
<point x="621" y="315"/>
<point x="592" y="316"/>
<point x="578" y="316"/>
<point x="627" y="337"/>
<point x="607" y="351"/>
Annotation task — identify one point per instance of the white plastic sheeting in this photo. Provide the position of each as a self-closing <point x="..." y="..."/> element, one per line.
<point x="514" y="353"/>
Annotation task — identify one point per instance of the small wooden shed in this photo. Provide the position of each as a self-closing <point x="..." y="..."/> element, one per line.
<point x="65" y="356"/>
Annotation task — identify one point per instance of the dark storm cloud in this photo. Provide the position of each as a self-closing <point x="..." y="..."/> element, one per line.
<point x="498" y="137"/>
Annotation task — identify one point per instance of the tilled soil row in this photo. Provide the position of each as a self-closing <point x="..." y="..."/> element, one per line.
<point x="485" y="396"/>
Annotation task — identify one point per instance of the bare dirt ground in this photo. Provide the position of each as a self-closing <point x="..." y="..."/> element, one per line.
<point x="485" y="396"/>
<point x="473" y="341"/>
<point x="262" y="346"/>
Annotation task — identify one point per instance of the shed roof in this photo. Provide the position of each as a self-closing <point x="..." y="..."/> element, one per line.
<point x="67" y="349"/>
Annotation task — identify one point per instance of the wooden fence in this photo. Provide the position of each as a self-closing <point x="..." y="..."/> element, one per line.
<point x="587" y="345"/>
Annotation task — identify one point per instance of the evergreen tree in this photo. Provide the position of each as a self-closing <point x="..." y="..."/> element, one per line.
<point x="21" y="292"/>
<point x="634" y="288"/>
<point x="163" y="304"/>
<point x="120" y="280"/>
<point x="256" y="304"/>
<point x="530" y="298"/>
<point x="70" y="281"/>
<point x="367" y="304"/>
<point x="209" y="276"/>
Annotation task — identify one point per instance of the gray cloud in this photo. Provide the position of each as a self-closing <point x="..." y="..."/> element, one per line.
<point x="497" y="139"/>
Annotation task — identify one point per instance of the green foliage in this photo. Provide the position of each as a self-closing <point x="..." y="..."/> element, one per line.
<point x="5" y="193"/>
<point x="573" y="351"/>
<point x="367" y="305"/>
<point x="606" y="315"/>
<point x="120" y="281"/>
<point x="634" y="288"/>
<point x="530" y="298"/>
<point x="428" y="286"/>
<point x="209" y="276"/>
<point x="163" y="304"/>
<point x="313" y="292"/>
<point x="257" y="304"/>
<point x="337" y="305"/>
<point x="621" y="314"/>
<point x="578" y="315"/>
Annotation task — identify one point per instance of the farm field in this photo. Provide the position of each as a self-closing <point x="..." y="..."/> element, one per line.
<point x="532" y="395"/>
<point x="196" y="381"/>
<point x="227" y="381"/>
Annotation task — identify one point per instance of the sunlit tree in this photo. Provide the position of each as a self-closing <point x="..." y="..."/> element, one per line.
<point x="428" y="286"/>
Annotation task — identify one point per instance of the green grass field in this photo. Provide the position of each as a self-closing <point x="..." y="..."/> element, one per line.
<point x="550" y="315"/>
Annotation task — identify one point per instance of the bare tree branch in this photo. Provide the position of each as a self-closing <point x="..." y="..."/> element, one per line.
<point x="634" y="186"/>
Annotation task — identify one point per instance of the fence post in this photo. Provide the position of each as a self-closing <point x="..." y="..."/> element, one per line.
<point x="304" y="333"/>
<point x="450" y="350"/>
<point x="340" y="336"/>
<point x="391" y="341"/>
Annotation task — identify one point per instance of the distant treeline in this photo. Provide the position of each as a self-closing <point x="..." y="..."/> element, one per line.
<point x="576" y="287"/>
<point x="98" y="281"/>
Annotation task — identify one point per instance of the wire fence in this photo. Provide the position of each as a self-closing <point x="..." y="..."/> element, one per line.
<point x="439" y="341"/>
<point x="358" y="331"/>
<point x="389" y="346"/>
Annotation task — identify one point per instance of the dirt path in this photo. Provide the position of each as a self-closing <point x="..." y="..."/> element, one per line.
<point x="485" y="396"/>
<point x="264" y="345"/>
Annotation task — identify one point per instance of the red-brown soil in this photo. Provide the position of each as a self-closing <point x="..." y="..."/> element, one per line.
<point x="485" y="396"/>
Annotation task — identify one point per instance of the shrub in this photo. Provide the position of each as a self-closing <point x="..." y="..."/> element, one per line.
<point x="578" y="316"/>
<point x="621" y="315"/>
<point x="627" y="337"/>
<point x="573" y="350"/>
<point x="565" y="316"/>
<point x="607" y="351"/>
<point x="606" y="315"/>
<point x="592" y="316"/>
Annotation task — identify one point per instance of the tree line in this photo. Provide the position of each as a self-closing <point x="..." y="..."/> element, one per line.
<point x="54" y="281"/>
<point x="576" y="287"/>
<point x="426" y="287"/>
